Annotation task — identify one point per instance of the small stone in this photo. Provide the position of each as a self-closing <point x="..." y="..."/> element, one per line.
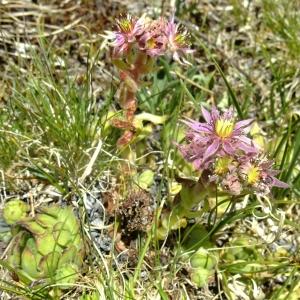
<point x="105" y="243"/>
<point x="144" y="275"/>
<point x="95" y="234"/>
<point x="97" y="222"/>
<point x="122" y="258"/>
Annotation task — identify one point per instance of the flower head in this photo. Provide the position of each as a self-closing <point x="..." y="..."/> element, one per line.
<point x="224" y="171"/>
<point x="244" y="174"/>
<point x="232" y="183"/>
<point x="223" y="164"/>
<point x="219" y="136"/>
<point x="153" y="41"/>
<point x="178" y="39"/>
<point x="128" y="30"/>
<point x="257" y="173"/>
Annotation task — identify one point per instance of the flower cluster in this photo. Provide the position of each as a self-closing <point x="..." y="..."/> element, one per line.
<point x="137" y="42"/>
<point x="152" y="37"/>
<point x="221" y="146"/>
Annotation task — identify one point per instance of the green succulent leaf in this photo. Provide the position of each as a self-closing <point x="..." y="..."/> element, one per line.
<point x="49" y="263"/>
<point x="47" y="244"/>
<point x="145" y="179"/>
<point x="45" y="220"/>
<point x="61" y="234"/>
<point x="66" y="275"/>
<point x="203" y="259"/>
<point x="32" y="226"/>
<point x="69" y="255"/>
<point x="19" y="242"/>
<point x="28" y="260"/>
<point x="52" y="210"/>
<point x="64" y="215"/>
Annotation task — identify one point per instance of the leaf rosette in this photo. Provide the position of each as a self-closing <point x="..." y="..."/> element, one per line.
<point x="47" y="247"/>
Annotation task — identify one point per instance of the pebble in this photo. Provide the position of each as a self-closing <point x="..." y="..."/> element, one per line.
<point x="122" y="258"/>
<point x="98" y="222"/>
<point x="144" y="275"/>
<point x="105" y="243"/>
<point x="3" y="226"/>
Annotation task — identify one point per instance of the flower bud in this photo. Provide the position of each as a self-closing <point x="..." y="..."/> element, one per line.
<point x="201" y="276"/>
<point x="14" y="211"/>
<point x="203" y="259"/>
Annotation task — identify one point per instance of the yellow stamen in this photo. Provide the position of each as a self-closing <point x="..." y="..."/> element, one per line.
<point x="222" y="165"/>
<point x="224" y="128"/>
<point x="253" y="175"/>
<point x="125" y="25"/>
<point x="151" y="43"/>
<point x="180" y="39"/>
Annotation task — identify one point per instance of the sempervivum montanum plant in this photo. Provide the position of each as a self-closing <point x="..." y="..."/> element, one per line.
<point x="228" y="160"/>
<point x="46" y="247"/>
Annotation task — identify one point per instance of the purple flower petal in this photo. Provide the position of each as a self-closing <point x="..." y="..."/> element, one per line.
<point x="170" y="29"/>
<point x="227" y="147"/>
<point x="214" y="113"/>
<point x="206" y="114"/>
<point x="154" y="52"/>
<point x="202" y="139"/>
<point x="197" y="163"/>
<point x="139" y="26"/>
<point x="197" y="126"/>
<point x="244" y="139"/>
<point x="273" y="172"/>
<point x="278" y="183"/>
<point x="242" y="124"/>
<point x="267" y="164"/>
<point x="247" y="148"/>
<point x="211" y="150"/>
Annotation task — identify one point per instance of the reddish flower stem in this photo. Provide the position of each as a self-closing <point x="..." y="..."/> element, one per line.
<point x="128" y="98"/>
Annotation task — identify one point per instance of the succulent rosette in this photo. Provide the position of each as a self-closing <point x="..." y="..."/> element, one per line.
<point x="47" y="246"/>
<point x="203" y="264"/>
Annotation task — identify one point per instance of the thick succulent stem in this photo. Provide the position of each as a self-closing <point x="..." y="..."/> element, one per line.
<point x="129" y="87"/>
<point x="190" y="196"/>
